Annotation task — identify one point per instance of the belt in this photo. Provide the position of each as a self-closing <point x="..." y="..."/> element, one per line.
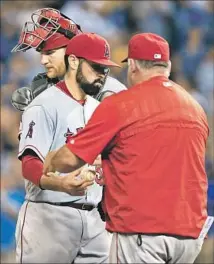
<point x="80" y="206"/>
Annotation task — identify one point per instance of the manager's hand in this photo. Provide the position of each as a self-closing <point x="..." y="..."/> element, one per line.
<point x="48" y="167"/>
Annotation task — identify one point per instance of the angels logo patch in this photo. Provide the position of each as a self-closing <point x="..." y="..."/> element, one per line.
<point x="30" y="130"/>
<point x="107" y="51"/>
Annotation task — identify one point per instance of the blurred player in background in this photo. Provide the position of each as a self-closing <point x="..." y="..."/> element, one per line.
<point x="47" y="123"/>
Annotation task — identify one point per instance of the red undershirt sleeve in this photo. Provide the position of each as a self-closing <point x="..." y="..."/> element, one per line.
<point x="32" y="168"/>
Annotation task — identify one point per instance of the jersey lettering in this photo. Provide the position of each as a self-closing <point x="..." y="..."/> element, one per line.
<point x="69" y="134"/>
<point x="99" y="176"/>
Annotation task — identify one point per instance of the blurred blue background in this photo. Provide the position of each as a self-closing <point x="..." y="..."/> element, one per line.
<point x="187" y="25"/>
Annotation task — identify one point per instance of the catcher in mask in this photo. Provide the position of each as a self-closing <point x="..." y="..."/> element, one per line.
<point x="48" y="31"/>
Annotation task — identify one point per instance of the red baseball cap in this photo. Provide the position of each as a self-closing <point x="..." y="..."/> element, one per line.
<point x="148" y="46"/>
<point x="56" y="41"/>
<point x="91" y="47"/>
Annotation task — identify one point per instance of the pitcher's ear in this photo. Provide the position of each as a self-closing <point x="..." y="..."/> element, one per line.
<point x="73" y="61"/>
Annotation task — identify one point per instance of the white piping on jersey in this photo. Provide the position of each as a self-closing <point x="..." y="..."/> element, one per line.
<point x="84" y="121"/>
<point x="84" y="114"/>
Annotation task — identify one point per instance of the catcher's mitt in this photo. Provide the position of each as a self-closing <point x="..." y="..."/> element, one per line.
<point x="23" y="96"/>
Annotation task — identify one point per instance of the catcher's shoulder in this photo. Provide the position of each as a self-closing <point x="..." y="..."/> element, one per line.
<point x="114" y="85"/>
<point x="45" y="99"/>
<point x="117" y="98"/>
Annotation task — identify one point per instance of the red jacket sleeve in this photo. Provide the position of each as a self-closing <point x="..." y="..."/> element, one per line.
<point x="98" y="133"/>
<point x="32" y="168"/>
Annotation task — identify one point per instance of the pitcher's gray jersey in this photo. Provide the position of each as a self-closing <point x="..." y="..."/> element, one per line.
<point x="46" y="123"/>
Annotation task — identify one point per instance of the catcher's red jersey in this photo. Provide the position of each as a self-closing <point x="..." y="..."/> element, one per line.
<point x="152" y="139"/>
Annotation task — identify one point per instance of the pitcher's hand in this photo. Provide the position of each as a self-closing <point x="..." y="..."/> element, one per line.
<point x="74" y="184"/>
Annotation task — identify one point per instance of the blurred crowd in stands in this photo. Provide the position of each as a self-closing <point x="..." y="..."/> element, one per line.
<point x="187" y="25"/>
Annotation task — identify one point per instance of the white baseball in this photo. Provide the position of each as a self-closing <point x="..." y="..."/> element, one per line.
<point x="88" y="175"/>
<point x="57" y="173"/>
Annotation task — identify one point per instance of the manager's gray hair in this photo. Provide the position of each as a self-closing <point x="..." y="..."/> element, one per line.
<point x="145" y="64"/>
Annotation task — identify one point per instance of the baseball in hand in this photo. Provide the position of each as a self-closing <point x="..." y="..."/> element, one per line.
<point x="56" y="174"/>
<point x="88" y="175"/>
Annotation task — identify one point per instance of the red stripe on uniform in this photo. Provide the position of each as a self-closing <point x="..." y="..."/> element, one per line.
<point x="22" y="232"/>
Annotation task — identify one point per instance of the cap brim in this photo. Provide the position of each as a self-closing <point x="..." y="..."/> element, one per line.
<point x="125" y="60"/>
<point x="104" y="62"/>
<point x="55" y="43"/>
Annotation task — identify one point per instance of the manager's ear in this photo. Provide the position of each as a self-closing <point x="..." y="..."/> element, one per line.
<point x="169" y="67"/>
<point x="133" y="65"/>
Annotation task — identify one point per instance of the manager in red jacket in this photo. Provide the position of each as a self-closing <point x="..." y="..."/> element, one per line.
<point x="152" y="139"/>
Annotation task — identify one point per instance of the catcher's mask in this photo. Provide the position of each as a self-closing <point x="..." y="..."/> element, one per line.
<point x="45" y="23"/>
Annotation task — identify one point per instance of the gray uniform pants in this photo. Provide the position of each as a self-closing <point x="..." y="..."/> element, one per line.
<point x="59" y="234"/>
<point x="127" y="248"/>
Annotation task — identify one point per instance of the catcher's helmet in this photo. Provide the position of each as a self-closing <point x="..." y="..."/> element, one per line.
<point x="46" y="22"/>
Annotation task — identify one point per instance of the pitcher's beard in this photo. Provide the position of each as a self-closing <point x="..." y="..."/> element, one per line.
<point x="89" y="88"/>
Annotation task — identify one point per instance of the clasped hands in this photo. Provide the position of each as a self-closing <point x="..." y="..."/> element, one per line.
<point x="74" y="183"/>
